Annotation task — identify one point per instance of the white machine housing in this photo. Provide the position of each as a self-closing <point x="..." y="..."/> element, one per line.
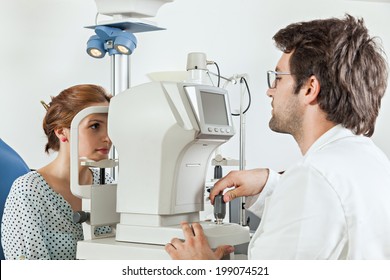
<point x="165" y="133"/>
<point x="164" y="145"/>
<point x="130" y="8"/>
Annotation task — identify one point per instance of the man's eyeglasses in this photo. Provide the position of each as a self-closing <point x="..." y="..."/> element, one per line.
<point x="272" y="77"/>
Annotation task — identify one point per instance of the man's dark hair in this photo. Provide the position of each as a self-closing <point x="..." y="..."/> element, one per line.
<point x="348" y="63"/>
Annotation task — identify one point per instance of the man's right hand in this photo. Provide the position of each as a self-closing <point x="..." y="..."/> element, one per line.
<point x="246" y="183"/>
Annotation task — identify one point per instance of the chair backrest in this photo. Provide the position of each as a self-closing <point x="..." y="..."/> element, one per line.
<point x="12" y="166"/>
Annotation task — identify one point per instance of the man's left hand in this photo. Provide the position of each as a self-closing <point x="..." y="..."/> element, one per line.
<point x="195" y="246"/>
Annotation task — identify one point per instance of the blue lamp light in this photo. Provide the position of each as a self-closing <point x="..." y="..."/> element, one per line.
<point x="125" y="43"/>
<point x="95" y="47"/>
<point x="112" y="40"/>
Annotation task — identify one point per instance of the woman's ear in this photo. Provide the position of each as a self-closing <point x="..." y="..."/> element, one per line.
<point x="62" y="134"/>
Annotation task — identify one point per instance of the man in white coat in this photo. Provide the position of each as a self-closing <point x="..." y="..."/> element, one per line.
<point x="326" y="92"/>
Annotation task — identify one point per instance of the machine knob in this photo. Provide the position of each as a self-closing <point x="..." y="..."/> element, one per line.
<point x="219" y="209"/>
<point x="217" y="172"/>
<point x="80" y="217"/>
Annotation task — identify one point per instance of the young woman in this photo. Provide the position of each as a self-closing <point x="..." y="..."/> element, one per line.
<point x="37" y="221"/>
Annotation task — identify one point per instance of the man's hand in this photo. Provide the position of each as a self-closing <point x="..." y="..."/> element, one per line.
<point x="246" y="183"/>
<point x="195" y="245"/>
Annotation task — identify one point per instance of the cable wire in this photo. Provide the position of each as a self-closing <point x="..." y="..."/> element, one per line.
<point x="219" y="73"/>
<point x="249" y="96"/>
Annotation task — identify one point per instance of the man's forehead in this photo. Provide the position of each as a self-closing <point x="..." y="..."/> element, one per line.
<point x="284" y="63"/>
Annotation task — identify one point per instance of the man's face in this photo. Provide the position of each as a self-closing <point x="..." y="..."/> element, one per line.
<point x="286" y="107"/>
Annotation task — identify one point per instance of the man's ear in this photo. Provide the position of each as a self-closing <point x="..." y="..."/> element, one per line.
<point x="313" y="88"/>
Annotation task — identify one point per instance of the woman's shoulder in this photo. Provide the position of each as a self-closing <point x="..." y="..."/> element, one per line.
<point x="29" y="182"/>
<point x="29" y="177"/>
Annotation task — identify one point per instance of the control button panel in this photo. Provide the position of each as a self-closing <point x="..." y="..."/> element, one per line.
<point x="218" y="130"/>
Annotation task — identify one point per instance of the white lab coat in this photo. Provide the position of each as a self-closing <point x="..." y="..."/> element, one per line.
<point x="333" y="204"/>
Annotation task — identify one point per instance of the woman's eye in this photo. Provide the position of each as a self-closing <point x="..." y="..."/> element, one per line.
<point x="95" y="126"/>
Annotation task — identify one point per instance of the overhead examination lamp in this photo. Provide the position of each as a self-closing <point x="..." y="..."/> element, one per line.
<point x="112" y="40"/>
<point x="115" y="36"/>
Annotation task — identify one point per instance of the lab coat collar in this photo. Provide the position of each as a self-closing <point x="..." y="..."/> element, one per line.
<point x="333" y="134"/>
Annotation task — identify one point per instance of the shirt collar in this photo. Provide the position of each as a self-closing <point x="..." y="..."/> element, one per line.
<point x="333" y="134"/>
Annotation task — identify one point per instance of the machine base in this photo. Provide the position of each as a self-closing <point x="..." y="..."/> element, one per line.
<point x="148" y="243"/>
<point x="217" y="234"/>
<point x="110" y="249"/>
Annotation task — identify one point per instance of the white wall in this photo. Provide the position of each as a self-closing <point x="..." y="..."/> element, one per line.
<point x="42" y="51"/>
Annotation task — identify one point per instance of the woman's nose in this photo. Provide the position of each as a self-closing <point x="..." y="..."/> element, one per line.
<point x="107" y="139"/>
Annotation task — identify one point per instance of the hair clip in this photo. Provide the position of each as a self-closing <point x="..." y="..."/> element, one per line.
<point x="45" y="105"/>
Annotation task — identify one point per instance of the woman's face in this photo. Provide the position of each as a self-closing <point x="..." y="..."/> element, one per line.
<point x="94" y="142"/>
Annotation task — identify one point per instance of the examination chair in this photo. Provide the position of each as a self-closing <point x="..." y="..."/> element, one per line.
<point x="12" y="166"/>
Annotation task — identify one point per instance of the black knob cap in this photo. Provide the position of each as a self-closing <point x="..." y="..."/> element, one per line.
<point x="80" y="217"/>
<point x="217" y="172"/>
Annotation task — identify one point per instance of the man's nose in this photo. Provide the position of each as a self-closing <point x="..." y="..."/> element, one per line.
<point x="269" y="92"/>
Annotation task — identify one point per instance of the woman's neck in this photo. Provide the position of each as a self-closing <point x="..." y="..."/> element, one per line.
<point x="59" y="171"/>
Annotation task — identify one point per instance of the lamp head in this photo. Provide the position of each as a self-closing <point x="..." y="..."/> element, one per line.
<point x="112" y="40"/>
<point x="125" y="43"/>
<point x="95" y="47"/>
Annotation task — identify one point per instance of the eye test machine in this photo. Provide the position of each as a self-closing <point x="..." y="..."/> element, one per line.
<point x="165" y="134"/>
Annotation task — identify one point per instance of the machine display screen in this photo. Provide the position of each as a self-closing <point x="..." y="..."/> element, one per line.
<point x="214" y="108"/>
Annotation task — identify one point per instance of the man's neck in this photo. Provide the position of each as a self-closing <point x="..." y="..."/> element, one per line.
<point x="310" y="133"/>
